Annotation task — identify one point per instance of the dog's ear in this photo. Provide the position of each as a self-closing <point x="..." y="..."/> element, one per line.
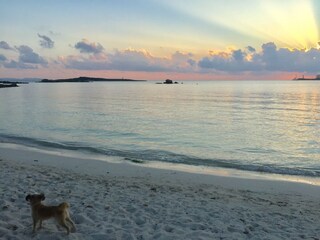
<point x="42" y="197"/>
<point x="28" y="197"/>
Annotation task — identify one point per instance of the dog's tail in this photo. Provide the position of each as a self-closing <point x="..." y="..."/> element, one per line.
<point x="63" y="205"/>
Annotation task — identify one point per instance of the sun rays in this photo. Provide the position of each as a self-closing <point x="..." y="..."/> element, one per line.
<point x="294" y="25"/>
<point x="290" y="24"/>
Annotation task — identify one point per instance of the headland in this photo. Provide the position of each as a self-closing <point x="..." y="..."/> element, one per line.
<point x="89" y="79"/>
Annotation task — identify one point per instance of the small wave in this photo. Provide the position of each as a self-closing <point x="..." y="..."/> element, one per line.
<point x="73" y="146"/>
<point x="141" y="156"/>
<point x="257" y="150"/>
<point x="228" y="163"/>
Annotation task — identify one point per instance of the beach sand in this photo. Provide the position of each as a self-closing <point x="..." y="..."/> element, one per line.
<point x="125" y="201"/>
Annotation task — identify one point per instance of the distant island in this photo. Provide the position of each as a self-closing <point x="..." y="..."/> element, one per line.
<point x="89" y="79"/>
<point x="19" y="80"/>
<point x="7" y="84"/>
<point x="317" y="78"/>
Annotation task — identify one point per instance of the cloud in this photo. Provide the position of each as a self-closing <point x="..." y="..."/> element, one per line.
<point x="20" y="65"/>
<point x="230" y="62"/>
<point x="127" y="60"/>
<point x="27" y="59"/>
<point x="2" y="58"/>
<point x="191" y="62"/>
<point x="27" y="55"/>
<point x="85" y="46"/>
<point x="238" y="55"/>
<point x="269" y="58"/>
<point x="251" y="49"/>
<point x="5" y="45"/>
<point x="136" y="60"/>
<point x="52" y="33"/>
<point x="131" y="60"/>
<point x="45" y="41"/>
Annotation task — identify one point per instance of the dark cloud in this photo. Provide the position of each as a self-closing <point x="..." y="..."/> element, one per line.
<point x="251" y="49"/>
<point x="20" y="65"/>
<point x="270" y="58"/>
<point x="45" y="41"/>
<point x="27" y="55"/>
<point x="28" y="59"/>
<point x="5" y="45"/>
<point x="238" y="55"/>
<point x="2" y="58"/>
<point x="230" y="64"/>
<point x="86" y="47"/>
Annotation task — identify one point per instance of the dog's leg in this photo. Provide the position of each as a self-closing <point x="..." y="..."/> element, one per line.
<point x="40" y="225"/>
<point x="34" y="225"/>
<point x="72" y="224"/>
<point x="64" y="224"/>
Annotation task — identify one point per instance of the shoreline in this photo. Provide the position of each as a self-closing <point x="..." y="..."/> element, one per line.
<point x="115" y="166"/>
<point x="216" y="167"/>
<point x="117" y="200"/>
<point x="11" y="149"/>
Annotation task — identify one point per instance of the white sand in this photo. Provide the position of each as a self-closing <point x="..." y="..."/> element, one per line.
<point x="125" y="201"/>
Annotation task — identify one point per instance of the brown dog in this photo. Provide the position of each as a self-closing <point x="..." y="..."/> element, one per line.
<point x="41" y="212"/>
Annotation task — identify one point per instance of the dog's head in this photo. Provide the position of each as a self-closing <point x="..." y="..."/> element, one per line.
<point x="35" y="198"/>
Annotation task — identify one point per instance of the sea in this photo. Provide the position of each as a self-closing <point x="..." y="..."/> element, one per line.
<point x="260" y="127"/>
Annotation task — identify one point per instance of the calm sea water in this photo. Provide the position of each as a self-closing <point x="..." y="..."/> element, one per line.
<point x="265" y="126"/>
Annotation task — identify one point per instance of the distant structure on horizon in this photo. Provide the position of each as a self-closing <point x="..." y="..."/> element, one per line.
<point x="168" y="81"/>
<point x="303" y="78"/>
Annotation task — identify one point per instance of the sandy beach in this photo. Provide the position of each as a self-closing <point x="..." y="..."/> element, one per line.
<point x="125" y="201"/>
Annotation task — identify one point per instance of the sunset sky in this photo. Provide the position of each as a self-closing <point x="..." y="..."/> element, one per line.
<point x="158" y="39"/>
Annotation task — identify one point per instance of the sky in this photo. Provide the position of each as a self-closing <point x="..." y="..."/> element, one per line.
<point x="160" y="39"/>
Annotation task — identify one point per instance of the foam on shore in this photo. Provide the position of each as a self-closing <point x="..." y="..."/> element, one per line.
<point x="117" y="200"/>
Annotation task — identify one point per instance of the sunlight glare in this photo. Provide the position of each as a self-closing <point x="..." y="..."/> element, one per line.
<point x="290" y="24"/>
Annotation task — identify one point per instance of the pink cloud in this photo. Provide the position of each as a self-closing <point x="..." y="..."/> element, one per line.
<point x="130" y="60"/>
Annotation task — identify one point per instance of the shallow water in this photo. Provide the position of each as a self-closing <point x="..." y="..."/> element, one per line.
<point x="265" y="126"/>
